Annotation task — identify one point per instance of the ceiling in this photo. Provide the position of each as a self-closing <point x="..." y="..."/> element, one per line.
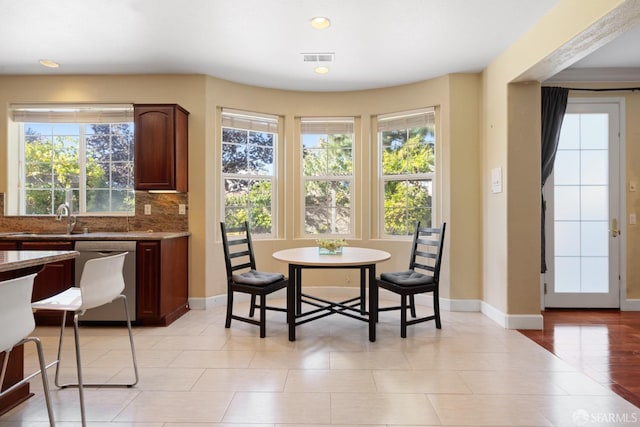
<point x="376" y="43"/>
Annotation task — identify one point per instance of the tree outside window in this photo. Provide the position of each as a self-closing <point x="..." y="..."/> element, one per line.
<point x="99" y="181"/>
<point x="248" y="169"/>
<point x="327" y="168"/>
<point x="407" y="144"/>
<point x="82" y="154"/>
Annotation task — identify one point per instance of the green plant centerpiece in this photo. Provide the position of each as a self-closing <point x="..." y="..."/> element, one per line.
<point x="331" y="246"/>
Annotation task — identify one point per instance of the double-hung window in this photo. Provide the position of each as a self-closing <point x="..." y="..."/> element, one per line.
<point x="249" y="143"/>
<point x="328" y="175"/>
<point x="407" y="155"/>
<point x="78" y="154"/>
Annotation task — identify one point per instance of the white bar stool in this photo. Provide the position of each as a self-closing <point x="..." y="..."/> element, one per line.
<point x="16" y="318"/>
<point x="101" y="282"/>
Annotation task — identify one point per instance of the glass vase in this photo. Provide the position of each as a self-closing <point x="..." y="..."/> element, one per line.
<point x="325" y="251"/>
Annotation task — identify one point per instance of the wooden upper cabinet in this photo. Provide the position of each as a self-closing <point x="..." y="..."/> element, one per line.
<point x="161" y="147"/>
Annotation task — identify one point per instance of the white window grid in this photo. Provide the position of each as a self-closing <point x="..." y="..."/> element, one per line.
<point x="247" y="122"/>
<point x="328" y="126"/>
<point x="400" y="120"/>
<point x="82" y="176"/>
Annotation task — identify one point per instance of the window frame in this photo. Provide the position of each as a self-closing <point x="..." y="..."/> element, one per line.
<point x="80" y="115"/>
<point x="328" y="124"/>
<point x="252" y="122"/>
<point x="408" y="117"/>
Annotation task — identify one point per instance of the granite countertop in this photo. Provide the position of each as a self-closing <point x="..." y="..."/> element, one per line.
<point x="98" y="235"/>
<point x="16" y="260"/>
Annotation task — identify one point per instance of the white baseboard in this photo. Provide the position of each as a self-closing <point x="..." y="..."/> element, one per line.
<point x="630" y="305"/>
<point x="472" y="305"/>
<point x="209" y="302"/>
<point x="221" y="300"/>
<point x="512" y="321"/>
<point x="508" y="321"/>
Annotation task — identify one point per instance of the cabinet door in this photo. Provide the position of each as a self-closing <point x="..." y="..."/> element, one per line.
<point x="161" y="147"/>
<point x="14" y="373"/>
<point x="163" y="280"/>
<point x="8" y="246"/>
<point x="175" y="278"/>
<point x="148" y="278"/>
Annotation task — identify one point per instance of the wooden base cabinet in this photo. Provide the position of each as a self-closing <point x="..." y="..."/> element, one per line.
<point x="15" y="373"/>
<point x="8" y="246"/>
<point x="163" y="280"/>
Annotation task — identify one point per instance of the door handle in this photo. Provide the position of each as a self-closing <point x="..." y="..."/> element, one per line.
<point x="614" y="228"/>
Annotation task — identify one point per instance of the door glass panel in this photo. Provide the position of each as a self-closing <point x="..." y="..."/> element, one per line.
<point x="595" y="274"/>
<point x="567" y="167"/>
<point x="594" y="240"/>
<point x="594" y="204"/>
<point x="567" y="203"/>
<point x="598" y="171"/>
<point x="567" y="278"/>
<point x="570" y="133"/>
<point x="594" y="131"/>
<point x="581" y="200"/>
<point x="567" y="238"/>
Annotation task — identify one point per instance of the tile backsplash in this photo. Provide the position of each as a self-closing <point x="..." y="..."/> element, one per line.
<point x="164" y="217"/>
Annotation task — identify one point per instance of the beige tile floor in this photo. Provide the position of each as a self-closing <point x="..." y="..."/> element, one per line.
<point x="197" y="373"/>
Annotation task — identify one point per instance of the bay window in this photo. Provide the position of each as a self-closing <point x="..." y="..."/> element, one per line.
<point x="249" y="143"/>
<point x="407" y="153"/>
<point x="328" y="175"/>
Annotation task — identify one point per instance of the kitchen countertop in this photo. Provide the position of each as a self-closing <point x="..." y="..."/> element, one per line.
<point x="16" y="260"/>
<point x="98" y="235"/>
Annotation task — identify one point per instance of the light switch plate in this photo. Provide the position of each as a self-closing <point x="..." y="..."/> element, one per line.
<point x="496" y="180"/>
<point x="147" y="209"/>
<point x="632" y="219"/>
<point x="182" y="209"/>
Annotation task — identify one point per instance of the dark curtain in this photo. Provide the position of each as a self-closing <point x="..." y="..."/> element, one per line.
<point x="554" y="104"/>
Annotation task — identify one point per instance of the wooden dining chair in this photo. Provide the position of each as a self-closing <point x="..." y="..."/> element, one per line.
<point x="242" y="276"/>
<point x="423" y="276"/>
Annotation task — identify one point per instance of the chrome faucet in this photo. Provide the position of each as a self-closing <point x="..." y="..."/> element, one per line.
<point x="65" y="211"/>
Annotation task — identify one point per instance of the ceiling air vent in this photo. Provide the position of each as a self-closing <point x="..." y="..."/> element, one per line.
<point x="318" y="57"/>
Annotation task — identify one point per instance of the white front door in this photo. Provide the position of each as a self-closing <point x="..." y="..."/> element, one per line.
<point x="583" y="209"/>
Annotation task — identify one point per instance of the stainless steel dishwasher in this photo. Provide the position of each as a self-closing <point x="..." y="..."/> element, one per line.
<point x="96" y="249"/>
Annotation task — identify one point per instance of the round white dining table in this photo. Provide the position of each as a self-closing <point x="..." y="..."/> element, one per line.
<point x="364" y="259"/>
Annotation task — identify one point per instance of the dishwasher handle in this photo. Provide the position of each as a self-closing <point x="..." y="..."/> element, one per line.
<point x="105" y="246"/>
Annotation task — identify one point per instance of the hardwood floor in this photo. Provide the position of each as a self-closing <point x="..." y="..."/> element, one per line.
<point x="603" y="344"/>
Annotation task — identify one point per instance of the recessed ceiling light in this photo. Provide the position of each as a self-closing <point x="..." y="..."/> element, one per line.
<point x="321" y="69"/>
<point x="320" y="22"/>
<point x="49" y="63"/>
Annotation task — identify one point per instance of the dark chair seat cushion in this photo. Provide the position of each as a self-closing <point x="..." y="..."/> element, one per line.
<point x="257" y="278"/>
<point x="407" y="278"/>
